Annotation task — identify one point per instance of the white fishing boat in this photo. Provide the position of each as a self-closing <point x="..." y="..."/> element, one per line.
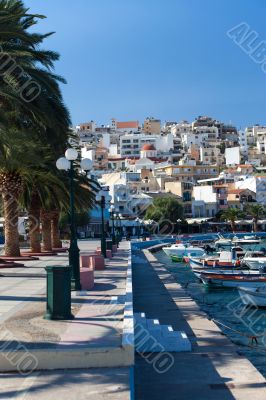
<point x="179" y="250"/>
<point x="253" y="296"/>
<point x="254" y="259"/>
<point x="222" y="241"/>
<point x="246" y="240"/>
<point x="225" y="260"/>
<point x="235" y="241"/>
<point x="198" y="271"/>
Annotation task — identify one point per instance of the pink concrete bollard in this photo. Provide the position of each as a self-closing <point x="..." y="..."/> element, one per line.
<point x="97" y="262"/>
<point x="85" y="261"/>
<point x="109" y="254"/>
<point x="87" y="278"/>
<point x="114" y="248"/>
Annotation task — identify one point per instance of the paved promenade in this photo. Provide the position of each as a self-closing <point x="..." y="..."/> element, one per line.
<point x="213" y="370"/>
<point x="98" y="323"/>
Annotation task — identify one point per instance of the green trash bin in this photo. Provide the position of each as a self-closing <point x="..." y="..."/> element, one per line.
<point x="58" y="297"/>
<point x="109" y="244"/>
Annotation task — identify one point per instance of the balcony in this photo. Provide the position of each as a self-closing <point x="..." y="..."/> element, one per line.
<point x="222" y="196"/>
<point x="121" y="197"/>
<point x="223" y="206"/>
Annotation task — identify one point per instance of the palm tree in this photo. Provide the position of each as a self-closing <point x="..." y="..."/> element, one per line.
<point x="55" y="232"/>
<point x="24" y="63"/>
<point x="255" y="211"/>
<point x="17" y="158"/>
<point x="45" y="196"/>
<point x="46" y="114"/>
<point x="231" y="215"/>
<point x="42" y="191"/>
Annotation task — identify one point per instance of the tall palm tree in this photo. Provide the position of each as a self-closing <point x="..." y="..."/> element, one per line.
<point x="43" y="189"/>
<point x="18" y="157"/>
<point x="45" y="195"/>
<point x="24" y="63"/>
<point x="55" y="232"/>
<point x="255" y="211"/>
<point x="231" y="215"/>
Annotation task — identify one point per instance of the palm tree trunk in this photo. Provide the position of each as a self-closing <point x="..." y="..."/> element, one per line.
<point x="10" y="203"/>
<point x="255" y="224"/>
<point x="56" y="242"/>
<point x="46" y="230"/>
<point x="34" y="223"/>
<point x="233" y="226"/>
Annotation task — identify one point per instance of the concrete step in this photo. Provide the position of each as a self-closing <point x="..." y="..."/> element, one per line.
<point x="154" y="325"/>
<point x="151" y="336"/>
<point x="140" y="319"/>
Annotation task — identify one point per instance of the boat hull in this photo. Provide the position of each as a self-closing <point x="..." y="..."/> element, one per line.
<point x="196" y="264"/>
<point x="180" y="253"/>
<point x="233" y="282"/>
<point x="250" y="297"/>
<point x="254" y="263"/>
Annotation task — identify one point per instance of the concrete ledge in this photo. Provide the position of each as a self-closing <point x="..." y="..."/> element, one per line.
<point x="50" y="359"/>
<point x="128" y="326"/>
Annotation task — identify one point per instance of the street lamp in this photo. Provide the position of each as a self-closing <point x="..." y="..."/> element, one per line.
<point x="111" y="211"/>
<point x="178" y="224"/>
<point x="120" y="226"/>
<point x="102" y="200"/>
<point x="67" y="164"/>
<point x="115" y="221"/>
<point x="137" y="220"/>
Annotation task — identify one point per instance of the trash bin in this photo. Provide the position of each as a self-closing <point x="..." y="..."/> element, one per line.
<point x="109" y="244"/>
<point x="58" y="296"/>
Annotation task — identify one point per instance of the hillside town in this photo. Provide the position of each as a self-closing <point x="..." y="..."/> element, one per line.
<point x="207" y="165"/>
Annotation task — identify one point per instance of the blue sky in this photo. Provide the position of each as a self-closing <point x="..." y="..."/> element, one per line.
<point x="170" y="59"/>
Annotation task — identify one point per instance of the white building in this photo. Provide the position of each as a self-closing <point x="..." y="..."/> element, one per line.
<point x="204" y="203"/>
<point x="243" y="142"/>
<point x="232" y="155"/>
<point x="131" y="144"/>
<point x="255" y="183"/>
<point x="211" y="155"/>
<point x="180" y="128"/>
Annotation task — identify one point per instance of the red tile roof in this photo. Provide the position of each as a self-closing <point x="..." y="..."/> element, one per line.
<point x="235" y="191"/>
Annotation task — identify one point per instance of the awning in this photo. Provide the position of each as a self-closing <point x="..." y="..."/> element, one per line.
<point x="192" y="221"/>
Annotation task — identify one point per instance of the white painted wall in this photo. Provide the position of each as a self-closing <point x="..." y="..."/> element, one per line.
<point x="232" y="155"/>
<point x="204" y="193"/>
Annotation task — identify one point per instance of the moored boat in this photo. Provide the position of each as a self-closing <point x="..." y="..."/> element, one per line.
<point x="253" y="296"/>
<point x="233" y="279"/>
<point x="225" y="260"/>
<point x="222" y="241"/>
<point x="180" y="250"/>
<point x="254" y="259"/>
<point x="246" y="240"/>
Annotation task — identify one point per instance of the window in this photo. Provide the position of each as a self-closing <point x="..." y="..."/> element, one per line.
<point x="186" y="196"/>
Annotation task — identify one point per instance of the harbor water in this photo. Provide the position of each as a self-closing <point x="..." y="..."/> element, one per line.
<point x="224" y="305"/>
